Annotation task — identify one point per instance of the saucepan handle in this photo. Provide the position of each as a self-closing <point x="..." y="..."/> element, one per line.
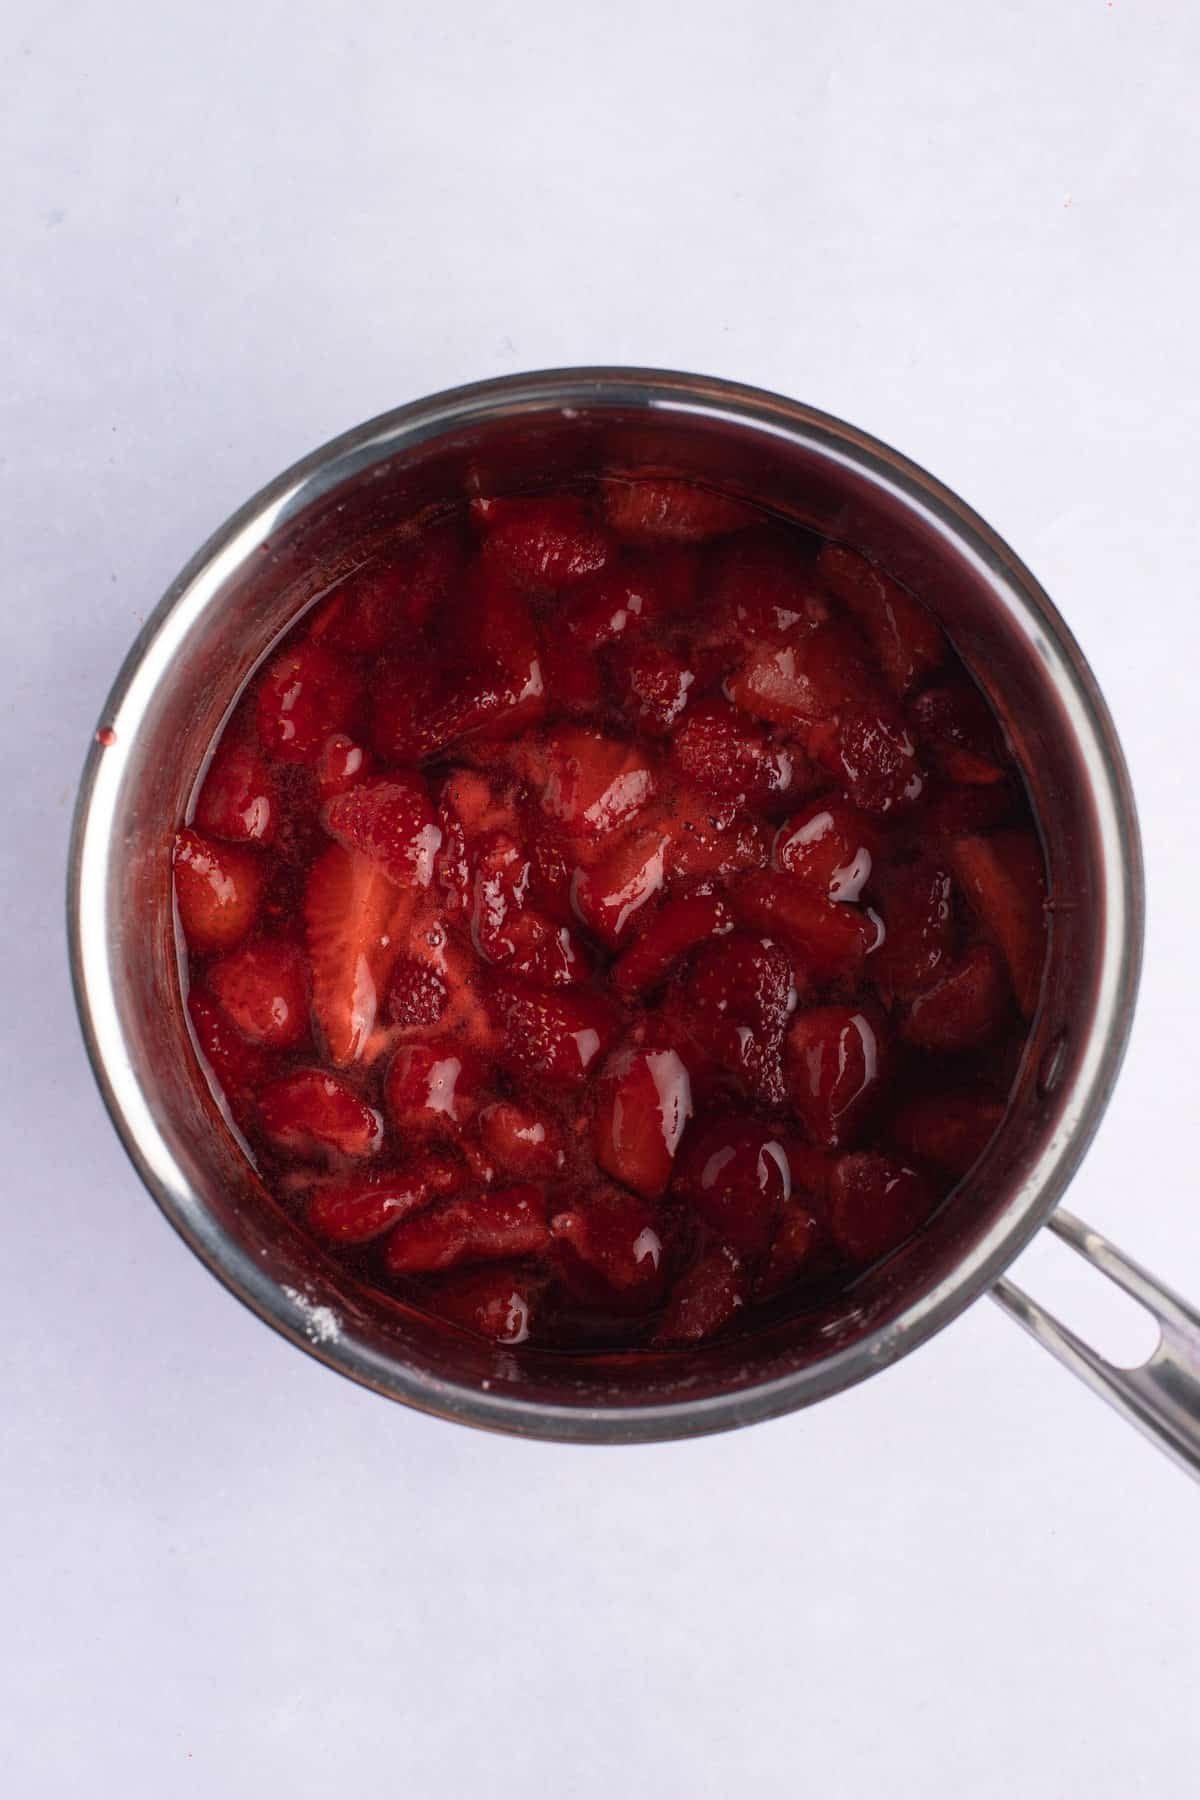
<point x="1162" y="1396"/>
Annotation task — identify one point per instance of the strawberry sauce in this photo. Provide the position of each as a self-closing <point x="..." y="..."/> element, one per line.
<point x="610" y="914"/>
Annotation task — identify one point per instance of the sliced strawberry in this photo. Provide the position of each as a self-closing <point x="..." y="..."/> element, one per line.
<point x="721" y="753"/>
<point x="743" y="980"/>
<point x="314" y="1113"/>
<point x="341" y="765"/>
<point x="522" y="1139"/>
<point x="704" y="1299"/>
<point x="918" y="911"/>
<point x="499" y="1304"/>
<point x="474" y="1228"/>
<point x="828" y="846"/>
<point x="658" y="683"/>
<point x="573" y="679"/>
<point x="237" y="1065"/>
<point x="608" y="606"/>
<point x="390" y="599"/>
<point x="556" y="1036"/>
<point x="390" y="821"/>
<point x="954" y="812"/>
<point x="962" y="1010"/>
<point x="593" y="783"/>
<point x="703" y="841"/>
<point x="830" y="939"/>
<point x="432" y="1089"/>
<point x="217" y="888"/>
<point x="356" y="920"/>
<point x="875" y="1203"/>
<point x="955" y="724"/>
<point x="1004" y="878"/>
<point x="364" y="1207"/>
<point x="907" y="640"/>
<point x="836" y="1063"/>
<point x="765" y="588"/>
<point x="417" y="994"/>
<point x="735" y="1175"/>
<point x="500" y="882"/>
<point x="306" y="694"/>
<point x="668" y="510"/>
<point x="610" y="896"/>
<point x="678" y="926"/>
<point x="644" y="1103"/>
<point x="797" y="1238"/>
<point x="545" y="543"/>
<point x="547" y="955"/>
<point x="951" y="1131"/>
<point x="808" y="677"/>
<point x="262" y="988"/>
<point x="238" y="799"/>
<point x="871" y="753"/>
<point x="610" y="1247"/>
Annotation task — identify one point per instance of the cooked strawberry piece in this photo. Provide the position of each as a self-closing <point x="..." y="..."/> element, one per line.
<point x="811" y="1172"/>
<point x="735" y="1175"/>
<point x="237" y="1064"/>
<point x="721" y="753"/>
<point x="390" y="599"/>
<point x="364" y="1207"/>
<point x="658" y="683"/>
<point x="551" y="873"/>
<point x="608" y="606"/>
<point x="918" y="912"/>
<point x="432" y="1089"/>
<point x="951" y="1131"/>
<point x="708" y="839"/>
<point x="499" y="1304"/>
<point x="871" y="753"/>
<point x="571" y="674"/>
<point x="432" y="941"/>
<point x="556" y="1036"/>
<point x="1004" y="879"/>
<point x="610" y="1247"/>
<point x="262" y="987"/>
<point x="417" y="994"/>
<point x="547" y="955"/>
<point x="765" y="587"/>
<point x="341" y="765"/>
<point x="306" y="695"/>
<point x="545" y="543"/>
<point x="474" y="1228"/>
<point x="830" y="939"/>
<point x="610" y="896"/>
<point x="669" y="510"/>
<point x="964" y="1008"/>
<point x="954" y="812"/>
<point x="796" y="1240"/>
<point x="238" y="799"/>
<point x="875" y="1203"/>
<point x="829" y="847"/>
<point x="836" y="1063"/>
<point x="907" y="640"/>
<point x="522" y="1139"/>
<point x="593" y="783"/>
<point x="314" y="1113"/>
<point x="808" y="677"/>
<point x="678" y="926"/>
<point x="218" y="888"/>
<point x="957" y="727"/>
<point x="390" y="821"/>
<point x="743" y="980"/>
<point x="643" y="1104"/>
<point x="705" y="1299"/>
<point x="355" y="924"/>
<point x="499" y="885"/>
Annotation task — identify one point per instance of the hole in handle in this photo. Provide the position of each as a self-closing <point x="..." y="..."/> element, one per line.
<point x="1086" y="1301"/>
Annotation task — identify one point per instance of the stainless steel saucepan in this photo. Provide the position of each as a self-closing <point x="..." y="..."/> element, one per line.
<point x="220" y="617"/>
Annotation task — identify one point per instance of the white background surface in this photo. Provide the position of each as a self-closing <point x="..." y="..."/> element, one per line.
<point x="229" y="232"/>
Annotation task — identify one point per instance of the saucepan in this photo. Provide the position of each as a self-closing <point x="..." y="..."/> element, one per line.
<point x="220" y="617"/>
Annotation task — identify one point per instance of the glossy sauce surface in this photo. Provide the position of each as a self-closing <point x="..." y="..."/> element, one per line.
<point x="610" y="913"/>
